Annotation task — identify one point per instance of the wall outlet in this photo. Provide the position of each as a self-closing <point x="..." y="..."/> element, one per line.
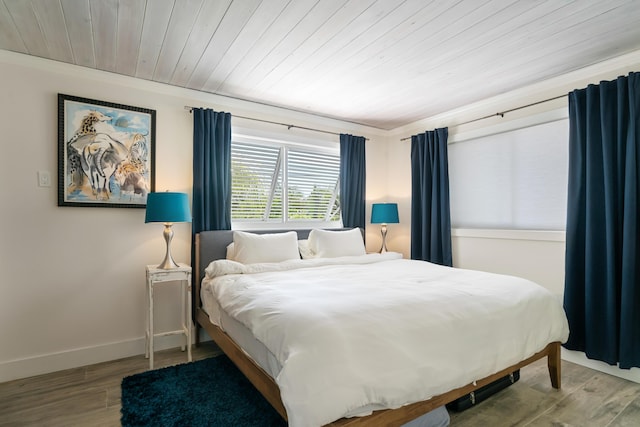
<point x="44" y="179"/>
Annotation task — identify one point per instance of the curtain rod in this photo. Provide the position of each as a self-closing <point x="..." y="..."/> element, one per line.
<point x="501" y="114"/>
<point x="289" y="126"/>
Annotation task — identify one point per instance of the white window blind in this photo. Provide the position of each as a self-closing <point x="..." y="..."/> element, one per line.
<point x="256" y="182"/>
<point x="260" y="172"/>
<point x="511" y="180"/>
<point x="312" y="186"/>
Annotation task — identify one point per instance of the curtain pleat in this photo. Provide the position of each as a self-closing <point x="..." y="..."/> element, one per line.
<point x="430" y="212"/>
<point x="352" y="180"/>
<point x="211" y="170"/>
<point x="602" y="266"/>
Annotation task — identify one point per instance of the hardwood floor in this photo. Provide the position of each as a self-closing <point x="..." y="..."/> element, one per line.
<point x="86" y="396"/>
<point x="588" y="398"/>
<point x="90" y="396"/>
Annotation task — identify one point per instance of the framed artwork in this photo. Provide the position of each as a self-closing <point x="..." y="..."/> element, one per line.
<point x="106" y="153"/>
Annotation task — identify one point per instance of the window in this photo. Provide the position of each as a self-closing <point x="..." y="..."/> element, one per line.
<point x="260" y="171"/>
<point x="511" y="180"/>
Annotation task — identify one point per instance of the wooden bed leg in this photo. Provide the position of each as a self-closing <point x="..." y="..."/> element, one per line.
<point x="554" y="365"/>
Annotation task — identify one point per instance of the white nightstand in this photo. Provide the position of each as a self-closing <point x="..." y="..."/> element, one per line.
<point x="156" y="276"/>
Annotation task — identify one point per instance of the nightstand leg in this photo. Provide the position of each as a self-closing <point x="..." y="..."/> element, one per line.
<point x="146" y="331"/>
<point x="150" y="286"/>
<point x="183" y="296"/>
<point x="188" y="320"/>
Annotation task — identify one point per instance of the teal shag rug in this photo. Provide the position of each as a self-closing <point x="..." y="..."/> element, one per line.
<point x="209" y="392"/>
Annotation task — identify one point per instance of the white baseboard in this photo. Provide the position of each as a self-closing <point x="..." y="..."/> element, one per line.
<point x="580" y="358"/>
<point x="53" y="362"/>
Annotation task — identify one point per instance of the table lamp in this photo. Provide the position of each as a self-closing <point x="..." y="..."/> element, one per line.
<point x="168" y="208"/>
<point x="384" y="213"/>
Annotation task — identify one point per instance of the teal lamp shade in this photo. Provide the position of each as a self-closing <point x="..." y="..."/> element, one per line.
<point x="168" y="208"/>
<point x="384" y="213"/>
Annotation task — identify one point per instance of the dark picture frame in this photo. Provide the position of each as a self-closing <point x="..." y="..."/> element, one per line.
<point x="106" y="153"/>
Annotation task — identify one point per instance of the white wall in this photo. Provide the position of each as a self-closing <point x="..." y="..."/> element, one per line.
<point x="73" y="281"/>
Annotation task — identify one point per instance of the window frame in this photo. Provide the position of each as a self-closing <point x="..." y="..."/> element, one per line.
<point x="285" y="144"/>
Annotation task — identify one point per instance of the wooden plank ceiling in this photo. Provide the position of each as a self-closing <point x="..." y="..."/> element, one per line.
<point x="382" y="63"/>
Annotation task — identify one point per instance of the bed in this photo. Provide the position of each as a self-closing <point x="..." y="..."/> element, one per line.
<point x="254" y="348"/>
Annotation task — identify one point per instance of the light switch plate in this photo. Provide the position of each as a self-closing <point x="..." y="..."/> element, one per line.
<point x="44" y="179"/>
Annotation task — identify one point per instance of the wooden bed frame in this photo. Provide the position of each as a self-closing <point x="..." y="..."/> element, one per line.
<point x="211" y="245"/>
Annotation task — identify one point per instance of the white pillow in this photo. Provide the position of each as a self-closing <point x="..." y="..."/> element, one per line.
<point x="303" y="248"/>
<point x="331" y="244"/>
<point x="252" y="248"/>
<point x="231" y="251"/>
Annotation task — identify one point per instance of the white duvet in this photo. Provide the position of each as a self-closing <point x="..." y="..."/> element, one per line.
<point x="354" y="334"/>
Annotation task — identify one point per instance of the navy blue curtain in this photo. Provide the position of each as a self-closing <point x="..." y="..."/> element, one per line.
<point x="602" y="272"/>
<point x="430" y="212"/>
<point x="211" y="170"/>
<point x="352" y="180"/>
